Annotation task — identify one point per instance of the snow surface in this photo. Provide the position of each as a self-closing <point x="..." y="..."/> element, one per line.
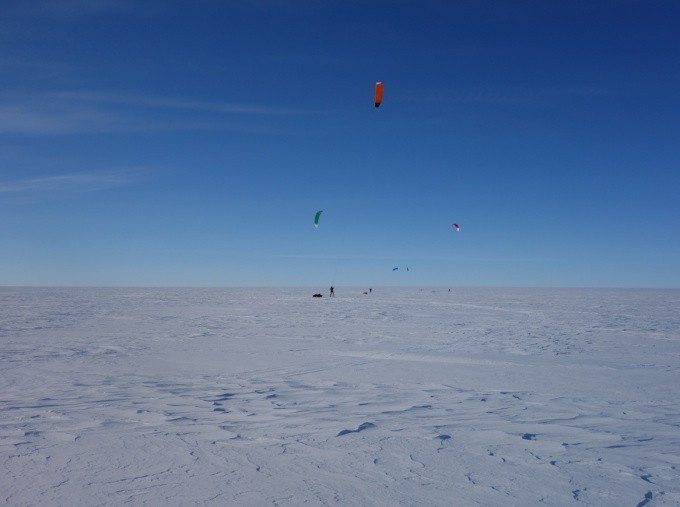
<point x="405" y="396"/>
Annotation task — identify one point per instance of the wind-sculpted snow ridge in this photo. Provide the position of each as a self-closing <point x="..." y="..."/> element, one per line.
<point x="179" y="397"/>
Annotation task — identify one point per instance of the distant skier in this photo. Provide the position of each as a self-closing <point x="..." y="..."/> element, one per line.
<point x="332" y="291"/>
<point x="370" y="290"/>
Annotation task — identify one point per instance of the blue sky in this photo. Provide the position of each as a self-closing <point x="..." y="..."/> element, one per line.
<point x="191" y="142"/>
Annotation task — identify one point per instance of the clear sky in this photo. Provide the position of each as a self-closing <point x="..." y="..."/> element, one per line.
<point x="191" y="143"/>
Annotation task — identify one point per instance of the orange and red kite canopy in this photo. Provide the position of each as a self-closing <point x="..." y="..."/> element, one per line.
<point x="378" y="93"/>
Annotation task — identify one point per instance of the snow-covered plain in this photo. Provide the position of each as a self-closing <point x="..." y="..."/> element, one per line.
<point x="406" y="396"/>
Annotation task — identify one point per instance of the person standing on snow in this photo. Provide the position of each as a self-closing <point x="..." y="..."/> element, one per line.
<point x="332" y="291"/>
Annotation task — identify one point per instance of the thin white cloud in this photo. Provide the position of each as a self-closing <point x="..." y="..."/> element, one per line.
<point x="65" y="113"/>
<point x="37" y="118"/>
<point x="173" y="103"/>
<point x="80" y="182"/>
